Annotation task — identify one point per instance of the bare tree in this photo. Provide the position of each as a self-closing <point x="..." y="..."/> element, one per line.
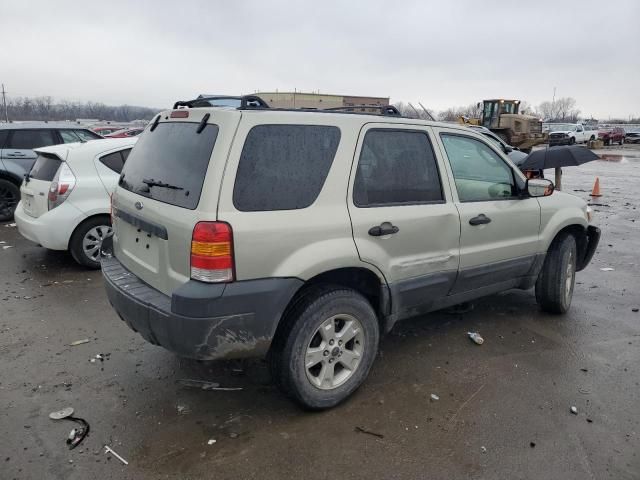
<point x="562" y="110"/>
<point x="45" y="108"/>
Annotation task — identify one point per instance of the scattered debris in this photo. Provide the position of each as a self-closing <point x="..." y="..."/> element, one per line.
<point x="483" y="449"/>
<point x="589" y="420"/>
<point x="368" y="432"/>
<point x="635" y="309"/>
<point x="211" y="441"/>
<point x="476" y="337"/>
<point x="79" y="342"/>
<point x="607" y="269"/>
<point x="532" y="444"/>
<point x="434" y="397"/>
<point x="2" y="242"/>
<point x="574" y="410"/>
<point x="584" y="369"/>
<point x="4" y="247"/>
<point x="76" y="435"/>
<point x="60" y="414"/>
<point x="10" y="225"/>
<point x="108" y="449"/>
<point x="183" y="410"/>
<point x="203" y="385"/>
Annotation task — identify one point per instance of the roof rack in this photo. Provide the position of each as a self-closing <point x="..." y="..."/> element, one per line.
<point x="384" y="109"/>
<point x="246" y="101"/>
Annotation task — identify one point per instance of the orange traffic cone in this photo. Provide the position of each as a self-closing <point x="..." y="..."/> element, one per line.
<point x="596" y="188"/>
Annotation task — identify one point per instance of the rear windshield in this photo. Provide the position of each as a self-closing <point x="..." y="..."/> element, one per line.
<point x="45" y="167"/>
<point x="169" y="163"/>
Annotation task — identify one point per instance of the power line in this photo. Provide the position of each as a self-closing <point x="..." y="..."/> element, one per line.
<point x="4" y="103"/>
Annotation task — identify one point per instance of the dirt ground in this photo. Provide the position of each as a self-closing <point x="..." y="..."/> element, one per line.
<point x="503" y="408"/>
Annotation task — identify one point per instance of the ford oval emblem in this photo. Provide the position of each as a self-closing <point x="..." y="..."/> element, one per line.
<point x="138" y="205"/>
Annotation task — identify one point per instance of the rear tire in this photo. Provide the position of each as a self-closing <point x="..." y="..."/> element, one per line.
<point x="9" y="198"/>
<point x="87" y="238"/>
<point x="572" y="141"/>
<point x="554" y="287"/>
<point x="325" y="347"/>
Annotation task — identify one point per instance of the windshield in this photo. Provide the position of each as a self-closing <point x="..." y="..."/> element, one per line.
<point x="562" y="127"/>
<point x="169" y="163"/>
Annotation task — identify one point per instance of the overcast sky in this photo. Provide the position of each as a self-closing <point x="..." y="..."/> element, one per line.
<point x="442" y="53"/>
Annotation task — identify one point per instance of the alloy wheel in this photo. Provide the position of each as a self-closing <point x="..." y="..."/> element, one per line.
<point x="334" y="351"/>
<point x="92" y="241"/>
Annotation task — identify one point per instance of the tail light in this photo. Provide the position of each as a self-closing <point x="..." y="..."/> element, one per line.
<point x="212" y="252"/>
<point x="62" y="185"/>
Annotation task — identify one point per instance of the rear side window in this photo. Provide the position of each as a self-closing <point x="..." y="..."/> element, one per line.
<point x="86" y="135"/>
<point x="3" y="137"/>
<point x="396" y="167"/>
<point x="169" y="164"/>
<point x="115" y="161"/>
<point x="30" y="139"/>
<point x="283" y="167"/>
<point x="45" y="167"/>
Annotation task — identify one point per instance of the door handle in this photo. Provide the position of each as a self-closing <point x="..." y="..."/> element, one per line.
<point x="481" y="219"/>
<point x="16" y="154"/>
<point x="385" y="228"/>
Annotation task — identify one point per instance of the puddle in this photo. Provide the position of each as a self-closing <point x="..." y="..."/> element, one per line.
<point x="618" y="158"/>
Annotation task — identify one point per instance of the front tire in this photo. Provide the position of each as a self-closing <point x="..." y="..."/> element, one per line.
<point x="572" y="141"/>
<point x="87" y="238"/>
<point x="556" y="281"/>
<point x="9" y="198"/>
<point x="325" y="347"/>
<point x="621" y="141"/>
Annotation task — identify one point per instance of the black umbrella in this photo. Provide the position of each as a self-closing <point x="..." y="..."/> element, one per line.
<point x="557" y="157"/>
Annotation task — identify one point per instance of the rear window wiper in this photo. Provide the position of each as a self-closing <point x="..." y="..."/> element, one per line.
<point x="150" y="182"/>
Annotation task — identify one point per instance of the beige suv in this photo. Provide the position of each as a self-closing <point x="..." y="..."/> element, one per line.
<point x="304" y="235"/>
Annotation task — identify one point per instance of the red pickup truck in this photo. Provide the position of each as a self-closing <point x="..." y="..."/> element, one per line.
<point x="611" y="135"/>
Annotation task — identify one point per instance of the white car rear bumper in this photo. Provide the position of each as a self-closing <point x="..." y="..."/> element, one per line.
<point x="52" y="229"/>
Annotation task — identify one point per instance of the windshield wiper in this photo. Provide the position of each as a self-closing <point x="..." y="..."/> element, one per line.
<point x="150" y="182"/>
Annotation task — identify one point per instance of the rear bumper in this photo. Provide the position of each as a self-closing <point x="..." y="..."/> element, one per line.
<point x="201" y="321"/>
<point x="52" y="229"/>
<point x="592" y="239"/>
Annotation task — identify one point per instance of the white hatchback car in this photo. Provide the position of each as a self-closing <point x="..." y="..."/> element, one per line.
<point x="65" y="198"/>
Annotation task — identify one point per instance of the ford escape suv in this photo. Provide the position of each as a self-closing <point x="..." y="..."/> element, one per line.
<point x="303" y="236"/>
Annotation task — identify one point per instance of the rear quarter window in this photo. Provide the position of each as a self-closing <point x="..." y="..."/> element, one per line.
<point x="283" y="167"/>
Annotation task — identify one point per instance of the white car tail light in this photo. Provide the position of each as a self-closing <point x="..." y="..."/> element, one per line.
<point x="62" y="185"/>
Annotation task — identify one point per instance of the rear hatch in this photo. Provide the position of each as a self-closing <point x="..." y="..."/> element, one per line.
<point x="170" y="181"/>
<point x="35" y="188"/>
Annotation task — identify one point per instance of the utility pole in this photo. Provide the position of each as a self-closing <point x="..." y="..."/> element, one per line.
<point x="4" y="103"/>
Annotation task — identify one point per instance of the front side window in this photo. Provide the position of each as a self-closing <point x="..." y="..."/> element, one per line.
<point x="283" y="167"/>
<point x="30" y="139"/>
<point x="396" y="167"/>
<point x="479" y="172"/>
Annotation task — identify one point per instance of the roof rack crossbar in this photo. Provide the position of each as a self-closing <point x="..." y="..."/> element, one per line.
<point x="246" y="101"/>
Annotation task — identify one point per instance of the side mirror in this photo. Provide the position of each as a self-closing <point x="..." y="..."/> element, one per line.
<point x="507" y="149"/>
<point x="539" y="187"/>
